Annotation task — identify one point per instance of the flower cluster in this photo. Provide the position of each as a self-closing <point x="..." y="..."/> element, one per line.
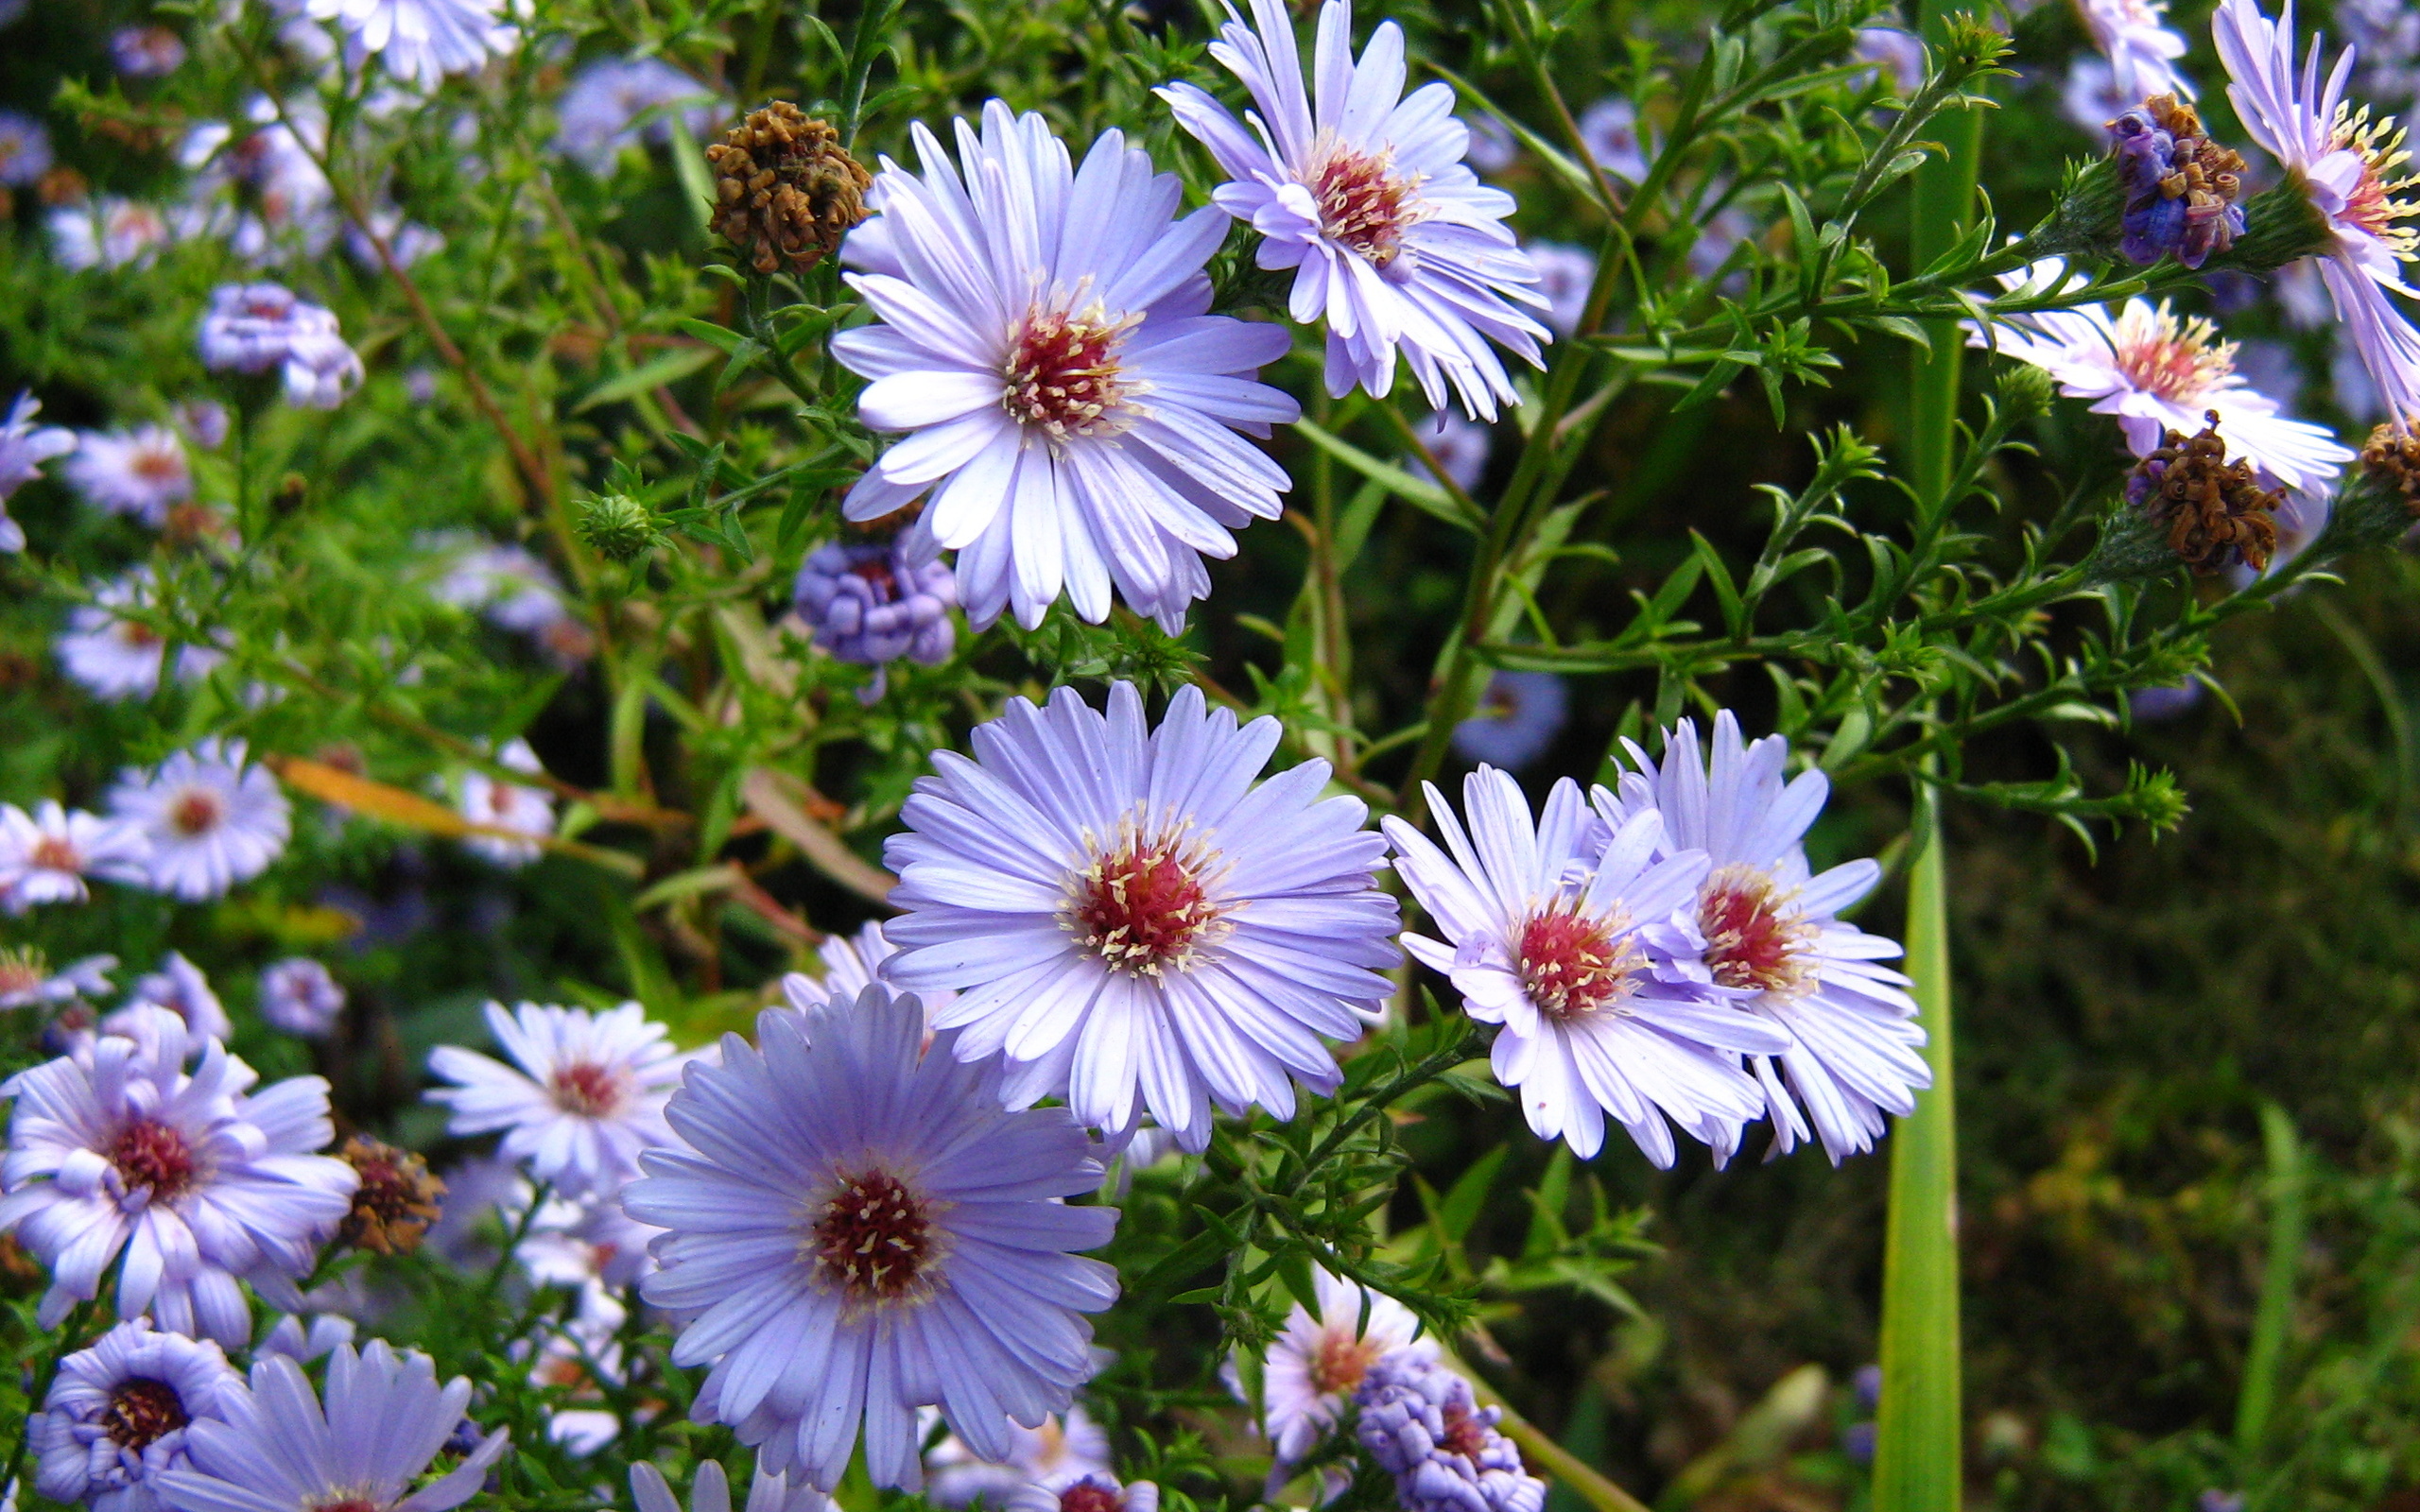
<point x="2181" y="187"/>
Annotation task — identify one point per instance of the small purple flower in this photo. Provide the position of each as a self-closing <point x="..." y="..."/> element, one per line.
<point x="147" y="52"/>
<point x="1461" y="447"/>
<point x="261" y="328"/>
<point x="875" y="603"/>
<point x="2180" y="185"/>
<point x="1517" y="719"/>
<point x="300" y="997"/>
<point x="1419" y="1420"/>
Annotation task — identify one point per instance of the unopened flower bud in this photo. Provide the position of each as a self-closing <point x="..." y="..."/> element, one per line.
<point x="785" y="191"/>
<point x="2024" y="389"/>
<point x="620" y="527"/>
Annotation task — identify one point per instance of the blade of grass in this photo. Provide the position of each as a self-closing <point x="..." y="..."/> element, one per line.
<point x="2263" y="1363"/>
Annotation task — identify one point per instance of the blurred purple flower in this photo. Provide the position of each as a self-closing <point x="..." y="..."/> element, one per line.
<point x="877" y="603"/>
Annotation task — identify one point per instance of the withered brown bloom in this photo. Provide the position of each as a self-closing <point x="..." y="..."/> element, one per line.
<point x="2217" y="515"/>
<point x="396" y="1202"/>
<point x="785" y="191"/>
<point x="2394" y="456"/>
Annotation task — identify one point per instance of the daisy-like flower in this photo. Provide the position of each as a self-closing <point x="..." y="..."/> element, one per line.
<point x="2142" y="51"/>
<point x="600" y="113"/>
<point x="45" y="856"/>
<point x="1313" y="1368"/>
<point x="2156" y="372"/>
<point x="588" y="1095"/>
<point x="418" y="42"/>
<point x="115" y="655"/>
<point x="107" y="232"/>
<point x="858" y="1230"/>
<point x="710" y="1491"/>
<point x="25" y="150"/>
<point x="1565" y="276"/>
<point x="1061" y="1450"/>
<point x="1133" y="922"/>
<point x="1365" y="193"/>
<point x="508" y="584"/>
<point x="215" y="819"/>
<point x="1610" y="128"/>
<point x="118" y="1413"/>
<point x="27" y="979"/>
<point x="147" y="52"/>
<point x="2353" y="167"/>
<point x="596" y="1249"/>
<point x="116" y="1151"/>
<point x="1774" y="946"/>
<point x="263" y="328"/>
<point x="1098" y="1492"/>
<point x="1071" y="404"/>
<point x="140" y="474"/>
<point x="299" y="996"/>
<point x="851" y="963"/>
<point x="303" y="1342"/>
<point x="1461" y="447"/>
<point x="1517" y="719"/>
<point x="23" y="451"/>
<point x="500" y="805"/>
<point x="1572" y="943"/>
<point x="386" y="1417"/>
<point x="180" y="987"/>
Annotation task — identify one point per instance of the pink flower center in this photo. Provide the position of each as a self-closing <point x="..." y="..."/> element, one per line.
<point x="2376" y="204"/>
<point x="587" y="1089"/>
<point x="195" y="813"/>
<point x="158" y="467"/>
<point x="23" y="972"/>
<point x="135" y="635"/>
<point x="1089" y="1495"/>
<point x="1754" y="941"/>
<point x="1365" y="206"/>
<point x="352" y="1503"/>
<point x="52" y="853"/>
<point x="1062" y="373"/>
<point x="2178" y="360"/>
<point x="1340" y="1362"/>
<point x="140" y="1411"/>
<point x="876" y="1239"/>
<point x="1464" y="1433"/>
<point x="148" y="1153"/>
<point x="1570" y="964"/>
<point x="1144" y="908"/>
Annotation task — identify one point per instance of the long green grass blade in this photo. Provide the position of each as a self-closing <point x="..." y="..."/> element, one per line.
<point x="2265" y="1360"/>
<point x="1917" y="1433"/>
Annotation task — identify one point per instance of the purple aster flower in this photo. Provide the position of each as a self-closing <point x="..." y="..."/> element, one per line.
<point x="1574" y="944"/>
<point x="45" y="856"/>
<point x="180" y="987"/>
<point x="303" y="1342"/>
<point x="1132" y="920"/>
<point x="873" y="604"/>
<point x="1493" y="148"/>
<point x="1565" y="276"/>
<point x="107" y="232"/>
<point x="1419" y="1423"/>
<point x="118" y="1415"/>
<point x="588" y="1095"/>
<point x="488" y="801"/>
<point x="1395" y="241"/>
<point x="147" y="52"/>
<point x="2385" y="36"/>
<point x="27" y="979"/>
<point x="2180" y="186"/>
<point x="851" y="963"/>
<point x="408" y="241"/>
<point x="262" y="328"/>
<point x="858" y="1230"/>
<point x="1098" y="1492"/>
<point x="1775" y="948"/>
<point x="2142" y="52"/>
<point x="215" y="819"/>
<point x="1055" y="1453"/>
<point x="22" y="450"/>
<point x="384" y="1419"/>
<point x="2090" y="97"/>
<point x="25" y="150"/>
<point x="710" y="1491"/>
<point x="203" y="421"/>
<point x="418" y="42"/>
<point x="1610" y="128"/>
<point x="1898" y="56"/>
<point x="299" y="996"/>
<point x="1313" y="1368"/>
<point x="2352" y="166"/>
<point x="116" y="1151"/>
<point x="1461" y="447"/>
<point x="139" y="474"/>
<point x="1518" y="717"/>
<point x="1071" y="404"/>
<point x="614" y="103"/>
<point x="113" y="654"/>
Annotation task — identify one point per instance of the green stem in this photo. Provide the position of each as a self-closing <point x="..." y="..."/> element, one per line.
<point x="1918" y="1433"/>
<point x="2269" y="1325"/>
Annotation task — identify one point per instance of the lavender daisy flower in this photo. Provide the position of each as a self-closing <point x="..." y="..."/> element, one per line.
<point x="2090" y="97"/>
<point x="1070" y="401"/>
<point x="599" y="114"/>
<point x="22" y="450"/>
<point x="180" y="987"/>
<point x="2352" y="167"/>
<point x="1774" y="946"/>
<point x="27" y="979"/>
<point x="418" y="42"/>
<point x="851" y="963"/>
<point x="858" y="1230"/>
<point x="2142" y="52"/>
<point x="108" y="232"/>
<point x="1610" y="128"/>
<point x="588" y="1096"/>
<point x="118" y="1414"/>
<point x="1518" y="717"/>
<point x="1420" y="1425"/>
<point x="25" y="150"/>
<point x="299" y="996"/>
<point x="1572" y="942"/>
<point x="384" y="1420"/>
<point x="1061" y="1450"/>
<point x="1124" y="913"/>
<point x="1461" y="447"/>
<point x="408" y="241"/>
<point x="2385" y="36"/>
<point x="303" y="1342"/>
<point x="1099" y="1492"/>
<point x="113" y="655"/>
<point x="263" y="328"/>
<point x="1898" y="56"/>
<point x="115" y="1150"/>
<point x="1314" y="1367"/>
<point x="710" y="1491"/>
<point x="873" y="604"/>
<point x="2156" y="372"/>
<point x="203" y="421"/>
<point x="488" y="801"/>
<point x="147" y="52"/>
<point x="139" y="474"/>
<point x="1565" y="276"/>
<point x="1396" y="242"/>
<point x="215" y="819"/>
<point x="596" y="1249"/>
<point x="45" y="856"/>
<point x="1493" y="148"/>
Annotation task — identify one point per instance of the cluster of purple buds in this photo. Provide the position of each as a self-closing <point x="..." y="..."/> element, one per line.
<point x="875" y="604"/>
<point x="2181" y="187"/>
<point x="1418" y="1419"/>
<point x="264" y="328"/>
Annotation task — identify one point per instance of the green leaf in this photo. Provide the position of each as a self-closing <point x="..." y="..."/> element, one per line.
<point x="670" y="367"/>
<point x="1546" y="1234"/>
<point x="1462" y="1205"/>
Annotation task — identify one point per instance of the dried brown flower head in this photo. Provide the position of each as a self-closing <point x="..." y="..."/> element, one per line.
<point x="2394" y="456"/>
<point x="2215" y="511"/>
<point x="785" y="192"/>
<point x="395" y="1203"/>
